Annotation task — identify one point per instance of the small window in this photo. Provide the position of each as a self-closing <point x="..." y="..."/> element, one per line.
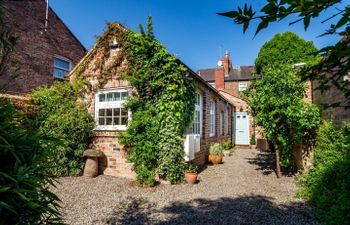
<point x="110" y="113"/>
<point x="61" y="67"/>
<point x="244" y="117"/>
<point x="242" y="86"/>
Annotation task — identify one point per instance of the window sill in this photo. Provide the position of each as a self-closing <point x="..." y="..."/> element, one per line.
<point x="121" y="128"/>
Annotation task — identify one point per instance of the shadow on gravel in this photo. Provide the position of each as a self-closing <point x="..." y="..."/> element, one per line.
<point x="266" y="163"/>
<point x="243" y="210"/>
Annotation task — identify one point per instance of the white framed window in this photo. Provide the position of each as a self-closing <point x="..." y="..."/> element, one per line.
<point x="226" y="121"/>
<point x="61" y="66"/>
<point x="212" y="119"/>
<point x="110" y="113"/>
<point x="198" y="117"/>
<point x="242" y="86"/>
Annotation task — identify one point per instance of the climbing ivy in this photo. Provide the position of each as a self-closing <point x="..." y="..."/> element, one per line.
<point x="162" y="108"/>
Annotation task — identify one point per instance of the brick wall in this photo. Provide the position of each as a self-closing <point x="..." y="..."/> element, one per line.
<point x="221" y="105"/>
<point x="331" y="96"/>
<point x="232" y="87"/>
<point x="35" y="49"/>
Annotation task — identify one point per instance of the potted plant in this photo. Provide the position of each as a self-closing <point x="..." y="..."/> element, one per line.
<point x="215" y="153"/>
<point x="227" y="148"/>
<point x="191" y="174"/>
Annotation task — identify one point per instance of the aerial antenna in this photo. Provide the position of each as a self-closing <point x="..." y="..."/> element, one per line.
<point x="47" y="15"/>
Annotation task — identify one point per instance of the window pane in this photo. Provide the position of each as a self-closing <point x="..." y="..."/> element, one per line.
<point x="124" y="112"/>
<point x="101" y="112"/>
<point x="109" y="121"/>
<point x="116" y="112"/>
<point x="110" y="97"/>
<point x="124" y="120"/>
<point x="116" y="96"/>
<point x="102" y="97"/>
<point x="61" y="63"/>
<point x="109" y="112"/>
<point x="125" y="95"/>
<point x="101" y="121"/>
<point x="115" y="120"/>
<point x="59" y="73"/>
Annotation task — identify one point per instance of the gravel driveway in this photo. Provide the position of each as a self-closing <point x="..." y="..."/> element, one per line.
<point x="242" y="190"/>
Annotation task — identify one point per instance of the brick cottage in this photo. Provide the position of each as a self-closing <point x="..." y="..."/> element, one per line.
<point x="106" y="93"/>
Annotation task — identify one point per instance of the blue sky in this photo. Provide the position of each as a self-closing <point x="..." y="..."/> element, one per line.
<point x="189" y="29"/>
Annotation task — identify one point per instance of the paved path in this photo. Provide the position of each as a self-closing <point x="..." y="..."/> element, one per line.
<point x="242" y="190"/>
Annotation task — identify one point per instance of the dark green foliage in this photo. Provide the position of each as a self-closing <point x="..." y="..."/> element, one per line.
<point x="162" y="108"/>
<point x="278" y="106"/>
<point x="288" y="49"/>
<point x="277" y="98"/>
<point x="327" y="184"/>
<point x="60" y="117"/>
<point x="24" y="181"/>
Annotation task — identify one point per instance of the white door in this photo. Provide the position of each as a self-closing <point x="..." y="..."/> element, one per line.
<point x="241" y="128"/>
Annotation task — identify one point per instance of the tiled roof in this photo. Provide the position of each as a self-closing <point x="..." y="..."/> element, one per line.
<point x="239" y="73"/>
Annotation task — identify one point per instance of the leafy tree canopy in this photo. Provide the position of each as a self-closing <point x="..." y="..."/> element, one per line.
<point x="286" y="48"/>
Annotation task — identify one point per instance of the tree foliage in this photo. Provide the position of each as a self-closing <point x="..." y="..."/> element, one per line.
<point x="162" y="108"/>
<point x="335" y="64"/>
<point x="288" y="49"/>
<point x="62" y="118"/>
<point x="24" y="178"/>
<point x="276" y="99"/>
<point x="277" y="105"/>
<point x="327" y="185"/>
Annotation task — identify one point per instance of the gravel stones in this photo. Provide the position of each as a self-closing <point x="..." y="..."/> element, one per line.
<point x="242" y="190"/>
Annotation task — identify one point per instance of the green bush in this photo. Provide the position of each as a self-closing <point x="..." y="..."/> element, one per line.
<point x="62" y="118"/>
<point x="252" y="140"/>
<point x="24" y="194"/>
<point x="215" y="149"/>
<point x="327" y="185"/>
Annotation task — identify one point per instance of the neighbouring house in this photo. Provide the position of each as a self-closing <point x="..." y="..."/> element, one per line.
<point x="230" y="81"/>
<point x="106" y="93"/>
<point x="46" y="50"/>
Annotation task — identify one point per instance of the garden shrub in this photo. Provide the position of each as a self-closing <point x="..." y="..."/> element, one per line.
<point x="62" y="118"/>
<point x="327" y="184"/>
<point x="228" y="145"/>
<point x="162" y="108"/>
<point x="24" y="181"/>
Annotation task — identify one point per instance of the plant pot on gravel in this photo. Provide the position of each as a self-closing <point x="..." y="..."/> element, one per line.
<point x="191" y="174"/>
<point x="215" y="153"/>
<point x="91" y="165"/>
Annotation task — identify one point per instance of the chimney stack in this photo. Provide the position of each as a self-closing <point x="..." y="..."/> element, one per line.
<point x="220" y="78"/>
<point x="227" y="63"/>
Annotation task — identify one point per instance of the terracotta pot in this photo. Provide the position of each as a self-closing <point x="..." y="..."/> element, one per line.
<point x="215" y="159"/>
<point x="191" y="178"/>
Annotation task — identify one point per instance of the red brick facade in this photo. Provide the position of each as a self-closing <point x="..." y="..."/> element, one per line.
<point x="35" y="48"/>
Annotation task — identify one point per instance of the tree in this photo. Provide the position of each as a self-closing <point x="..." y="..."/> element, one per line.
<point x="278" y="106"/>
<point x="335" y="63"/>
<point x="276" y="99"/>
<point x="286" y="48"/>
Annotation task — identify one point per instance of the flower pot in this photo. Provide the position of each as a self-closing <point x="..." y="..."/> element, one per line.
<point x="191" y="178"/>
<point x="215" y="159"/>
